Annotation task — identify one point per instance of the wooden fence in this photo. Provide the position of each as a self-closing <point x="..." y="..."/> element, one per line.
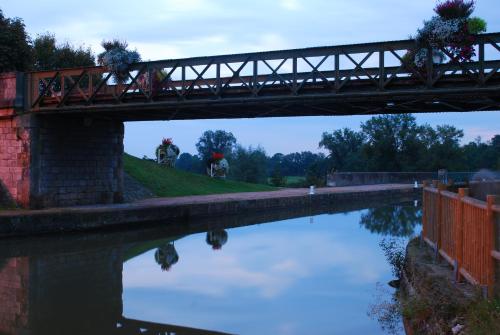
<point x="462" y="230"/>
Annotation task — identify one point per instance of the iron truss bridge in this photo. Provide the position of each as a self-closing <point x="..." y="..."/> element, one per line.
<point x="370" y="78"/>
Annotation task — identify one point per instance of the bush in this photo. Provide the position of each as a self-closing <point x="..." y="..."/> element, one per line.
<point x="316" y="175"/>
<point x="277" y="179"/>
<point x="483" y="318"/>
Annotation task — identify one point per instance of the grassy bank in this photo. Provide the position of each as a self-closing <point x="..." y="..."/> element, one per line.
<point x="165" y="182"/>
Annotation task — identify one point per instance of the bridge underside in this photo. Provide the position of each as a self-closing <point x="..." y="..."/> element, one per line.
<point x="313" y="104"/>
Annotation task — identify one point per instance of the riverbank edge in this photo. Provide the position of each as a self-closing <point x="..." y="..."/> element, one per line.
<point x="172" y="210"/>
<point x="431" y="302"/>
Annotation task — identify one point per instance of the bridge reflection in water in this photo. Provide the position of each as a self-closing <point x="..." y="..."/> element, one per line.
<point x="73" y="284"/>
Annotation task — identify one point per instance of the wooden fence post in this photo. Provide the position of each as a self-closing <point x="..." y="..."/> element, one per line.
<point x="439" y="228"/>
<point x="459" y="232"/>
<point x="424" y="210"/>
<point x="490" y="242"/>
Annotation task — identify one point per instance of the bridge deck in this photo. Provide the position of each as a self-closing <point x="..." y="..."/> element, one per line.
<point x="366" y="78"/>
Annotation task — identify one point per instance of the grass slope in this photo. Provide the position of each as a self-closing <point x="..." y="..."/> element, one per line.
<point x="165" y="182"/>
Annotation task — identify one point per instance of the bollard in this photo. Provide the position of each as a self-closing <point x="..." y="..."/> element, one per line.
<point x="311" y="190"/>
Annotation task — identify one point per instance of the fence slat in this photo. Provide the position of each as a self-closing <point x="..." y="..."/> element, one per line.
<point x="462" y="228"/>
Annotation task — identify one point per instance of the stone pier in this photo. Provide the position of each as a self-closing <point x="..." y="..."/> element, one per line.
<point x="53" y="161"/>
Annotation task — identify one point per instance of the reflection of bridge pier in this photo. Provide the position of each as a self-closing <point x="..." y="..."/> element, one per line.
<point x="74" y="293"/>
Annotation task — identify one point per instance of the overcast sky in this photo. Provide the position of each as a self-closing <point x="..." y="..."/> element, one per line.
<point x="163" y="29"/>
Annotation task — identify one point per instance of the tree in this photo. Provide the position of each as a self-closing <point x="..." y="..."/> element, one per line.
<point x="444" y="151"/>
<point x="345" y="147"/>
<point x="249" y="165"/>
<point x="297" y="163"/>
<point x="316" y="173"/>
<point x="15" y="45"/>
<point x="49" y="55"/>
<point x="381" y="220"/>
<point x="215" y="141"/>
<point x="277" y="178"/>
<point x="480" y="155"/>
<point x="190" y="163"/>
<point x="392" y="142"/>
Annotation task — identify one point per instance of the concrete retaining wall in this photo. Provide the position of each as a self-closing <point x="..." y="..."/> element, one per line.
<point x="115" y="216"/>
<point x="371" y="178"/>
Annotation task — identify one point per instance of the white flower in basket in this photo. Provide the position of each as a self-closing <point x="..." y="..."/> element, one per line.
<point x="167" y="153"/>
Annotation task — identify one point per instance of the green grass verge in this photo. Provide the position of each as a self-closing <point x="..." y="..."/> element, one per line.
<point x="142" y="248"/>
<point x="166" y="182"/>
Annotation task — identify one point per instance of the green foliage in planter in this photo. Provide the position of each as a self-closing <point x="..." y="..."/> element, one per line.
<point x="476" y="25"/>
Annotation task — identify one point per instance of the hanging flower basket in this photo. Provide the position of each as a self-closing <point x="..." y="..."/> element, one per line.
<point x="450" y="35"/>
<point x="117" y="59"/>
<point x="218" y="167"/>
<point x="167" y="153"/>
<point x="166" y="256"/>
<point x="216" y="238"/>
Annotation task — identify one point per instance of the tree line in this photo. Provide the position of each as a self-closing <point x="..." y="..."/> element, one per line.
<point x="21" y="52"/>
<point x="393" y="143"/>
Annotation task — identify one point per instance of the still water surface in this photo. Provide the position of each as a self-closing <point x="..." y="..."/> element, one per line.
<point x="319" y="274"/>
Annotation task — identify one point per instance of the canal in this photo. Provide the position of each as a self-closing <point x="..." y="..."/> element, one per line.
<point x="314" y="274"/>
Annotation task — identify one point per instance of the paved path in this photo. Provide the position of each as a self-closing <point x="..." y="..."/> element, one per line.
<point x="283" y="193"/>
<point x="212" y="198"/>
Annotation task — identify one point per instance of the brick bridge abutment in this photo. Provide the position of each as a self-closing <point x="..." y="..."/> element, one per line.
<point x="53" y="161"/>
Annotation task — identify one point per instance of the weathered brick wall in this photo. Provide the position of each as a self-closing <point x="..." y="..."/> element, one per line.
<point x="14" y="141"/>
<point x="14" y="161"/>
<point x="14" y="286"/>
<point x="50" y="161"/>
<point x="76" y="161"/>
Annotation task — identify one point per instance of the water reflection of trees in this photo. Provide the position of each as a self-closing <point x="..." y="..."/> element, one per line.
<point x="399" y="220"/>
<point x="216" y="238"/>
<point x="386" y="309"/>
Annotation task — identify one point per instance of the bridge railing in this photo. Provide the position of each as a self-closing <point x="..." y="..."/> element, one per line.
<point x="336" y="70"/>
<point x="462" y="230"/>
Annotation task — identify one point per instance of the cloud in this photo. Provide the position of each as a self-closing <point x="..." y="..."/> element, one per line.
<point x="268" y="264"/>
<point x="292" y="5"/>
<point x="186" y="5"/>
